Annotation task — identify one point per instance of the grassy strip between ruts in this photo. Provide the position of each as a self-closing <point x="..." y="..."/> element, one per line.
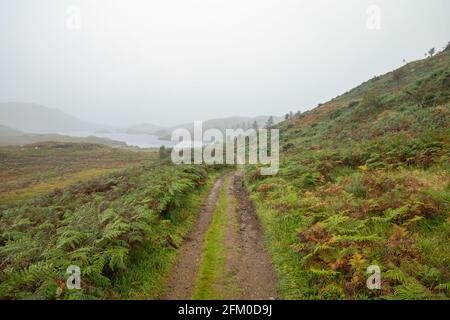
<point x="213" y="259"/>
<point x="149" y="266"/>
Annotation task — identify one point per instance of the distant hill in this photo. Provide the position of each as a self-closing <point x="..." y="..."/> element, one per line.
<point x="34" y="118"/>
<point x="221" y="124"/>
<point x="26" y="139"/>
<point x="7" y="132"/>
<point x="144" y="128"/>
<point x="13" y="137"/>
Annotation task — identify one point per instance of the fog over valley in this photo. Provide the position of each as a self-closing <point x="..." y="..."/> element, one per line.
<point x="124" y="63"/>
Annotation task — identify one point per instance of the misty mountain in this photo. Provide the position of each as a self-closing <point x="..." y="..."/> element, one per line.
<point x="34" y="118"/>
<point x="148" y="128"/>
<point x="9" y="132"/>
<point x="13" y="137"/>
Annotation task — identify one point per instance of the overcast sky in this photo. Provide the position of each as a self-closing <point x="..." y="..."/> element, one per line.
<point x="175" y="61"/>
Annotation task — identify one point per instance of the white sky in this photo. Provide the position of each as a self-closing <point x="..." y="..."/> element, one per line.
<point x="175" y="61"/>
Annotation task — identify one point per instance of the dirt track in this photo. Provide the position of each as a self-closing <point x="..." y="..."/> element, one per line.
<point x="256" y="276"/>
<point x="248" y="272"/>
<point x="181" y="283"/>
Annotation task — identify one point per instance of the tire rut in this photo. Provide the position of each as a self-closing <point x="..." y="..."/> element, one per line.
<point x="256" y="276"/>
<point x="181" y="282"/>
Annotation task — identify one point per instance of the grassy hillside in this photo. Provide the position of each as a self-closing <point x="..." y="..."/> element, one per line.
<point x="364" y="180"/>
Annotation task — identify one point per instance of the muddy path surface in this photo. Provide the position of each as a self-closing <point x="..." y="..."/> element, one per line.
<point x="181" y="281"/>
<point x="247" y="272"/>
<point x="256" y="276"/>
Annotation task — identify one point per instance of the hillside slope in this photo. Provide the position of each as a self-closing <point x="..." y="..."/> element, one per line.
<point x="364" y="180"/>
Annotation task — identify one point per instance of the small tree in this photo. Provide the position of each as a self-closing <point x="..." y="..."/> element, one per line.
<point x="398" y="76"/>
<point x="431" y="52"/>
<point x="286" y="116"/>
<point x="162" y="152"/>
<point x="269" y="123"/>
<point x="447" y="48"/>
<point x="255" y="125"/>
